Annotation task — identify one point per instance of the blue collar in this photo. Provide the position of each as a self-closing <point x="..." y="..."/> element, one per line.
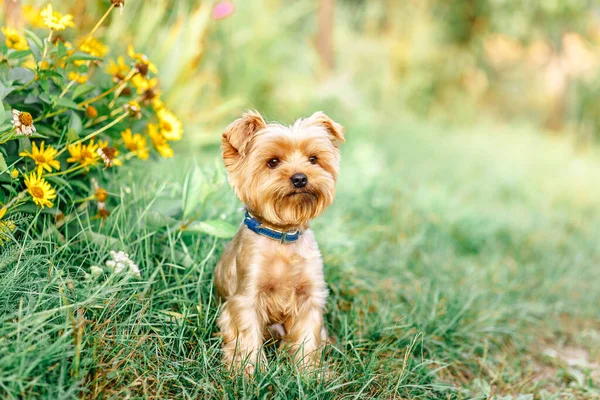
<point x="282" y="237"/>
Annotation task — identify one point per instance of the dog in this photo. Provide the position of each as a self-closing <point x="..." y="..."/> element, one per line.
<point x="270" y="275"/>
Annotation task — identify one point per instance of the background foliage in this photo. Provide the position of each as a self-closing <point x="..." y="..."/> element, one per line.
<point x="461" y="252"/>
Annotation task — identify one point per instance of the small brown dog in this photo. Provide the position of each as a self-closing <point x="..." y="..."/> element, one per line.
<point x="271" y="274"/>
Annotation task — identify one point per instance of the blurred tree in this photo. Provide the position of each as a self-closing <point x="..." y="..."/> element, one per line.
<point x="325" y="17"/>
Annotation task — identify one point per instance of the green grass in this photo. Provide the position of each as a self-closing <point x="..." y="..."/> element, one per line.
<point x="454" y="260"/>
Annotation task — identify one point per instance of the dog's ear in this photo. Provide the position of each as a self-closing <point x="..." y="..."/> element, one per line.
<point x="236" y="137"/>
<point x="335" y="130"/>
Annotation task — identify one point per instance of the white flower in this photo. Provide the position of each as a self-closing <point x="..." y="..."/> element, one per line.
<point x="121" y="262"/>
<point x="23" y="122"/>
<point x="96" y="271"/>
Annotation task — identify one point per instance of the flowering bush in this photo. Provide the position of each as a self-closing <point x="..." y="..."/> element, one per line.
<point x="69" y="116"/>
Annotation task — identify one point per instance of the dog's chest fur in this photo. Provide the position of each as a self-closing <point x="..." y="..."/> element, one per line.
<point x="285" y="275"/>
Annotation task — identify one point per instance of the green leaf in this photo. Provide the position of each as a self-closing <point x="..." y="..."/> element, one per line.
<point x="82" y="89"/>
<point x="192" y="190"/>
<point x="20" y="74"/>
<point x="215" y="227"/>
<point x="58" y="181"/>
<point x="156" y="220"/>
<point x="2" y="112"/>
<point x="34" y="38"/>
<point x="3" y="166"/>
<point x="83" y="56"/>
<point x="45" y="85"/>
<point x="101" y="240"/>
<point x="72" y="135"/>
<point x="24" y="144"/>
<point x="47" y="130"/>
<point x="67" y="103"/>
<point x="62" y="50"/>
<point x="75" y="123"/>
<point x="15" y="55"/>
<point x="5" y="90"/>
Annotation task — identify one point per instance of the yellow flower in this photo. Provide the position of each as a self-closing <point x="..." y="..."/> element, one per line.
<point x="44" y="65"/>
<point x="159" y="141"/>
<point x="136" y="143"/>
<point x="101" y="194"/>
<point x="143" y="64"/>
<point x="134" y="109"/>
<point x="32" y="16"/>
<point x="77" y="77"/>
<point x="29" y="64"/>
<point x="118" y="70"/>
<point x="170" y="126"/>
<point x="6" y="227"/>
<point x="143" y="83"/>
<point x="14" y="174"/>
<point x="14" y="40"/>
<point x="44" y="158"/>
<point x="94" y="47"/>
<point x="41" y="192"/>
<point x="85" y="155"/>
<point x="55" y="20"/>
<point x="157" y="103"/>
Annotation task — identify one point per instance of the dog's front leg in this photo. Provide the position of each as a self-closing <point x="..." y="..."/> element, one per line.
<point x="242" y="333"/>
<point x="304" y="335"/>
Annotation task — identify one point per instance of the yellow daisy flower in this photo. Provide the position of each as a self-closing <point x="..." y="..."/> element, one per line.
<point x="169" y="125"/>
<point x="44" y="158"/>
<point x="118" y="70"/>
<point x="32" y="16"/>
<point x="85" y="155"/>
<point x="55" y="20"/>
<point x="29" y="64"/>
<point x="157" y="103"/>
<point x="142" y="83"/>
<point x="143" y="63"/>
<point x="6" y="227"/>
<point x="77" y="77"/>
<point x="14" y="40"/>
<point x="160" y="143"/>
<point x="136" y="143"/>
<point x="41" y="192"/>
<point x="94" y="47"/>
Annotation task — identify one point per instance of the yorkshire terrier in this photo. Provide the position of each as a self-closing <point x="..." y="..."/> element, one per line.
<point x="270" y="275"/>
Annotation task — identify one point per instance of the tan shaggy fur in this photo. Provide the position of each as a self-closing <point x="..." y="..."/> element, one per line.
<point x="262" y="281"/>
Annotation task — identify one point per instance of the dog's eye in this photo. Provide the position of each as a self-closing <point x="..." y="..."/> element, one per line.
<point x="313" y="159"/>
<point x="273" y="162"/>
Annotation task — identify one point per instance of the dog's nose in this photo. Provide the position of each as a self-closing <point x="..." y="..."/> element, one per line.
<point x="299" y="180"/>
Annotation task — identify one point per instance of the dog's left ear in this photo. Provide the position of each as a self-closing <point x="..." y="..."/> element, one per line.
<point x="336" y="131"/>
<point x="237" y="136"/>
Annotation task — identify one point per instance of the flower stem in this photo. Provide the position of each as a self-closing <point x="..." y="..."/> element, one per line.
<point x="76" y="168"/>
<point x="17" y="198"/>
<point x="47" y="45"/>
<point x="95" y="28"/>
<point x="96" y="132"/>
<point x="66" y="89"/>
<point x="122" y="86"/>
